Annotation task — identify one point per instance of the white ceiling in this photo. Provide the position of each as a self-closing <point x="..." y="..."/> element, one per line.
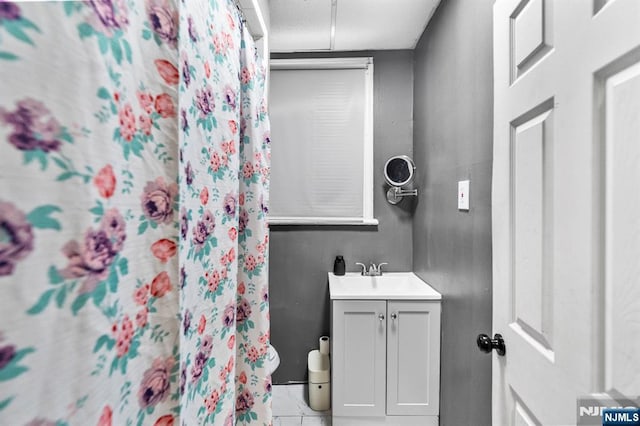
<point x="341" y="25"/>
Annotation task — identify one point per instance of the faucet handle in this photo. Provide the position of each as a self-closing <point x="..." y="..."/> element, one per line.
<point x="380" y="267"/>
<point x="364" y="268"/>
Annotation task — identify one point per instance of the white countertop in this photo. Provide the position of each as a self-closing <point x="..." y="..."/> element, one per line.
<point x="390" y="285"/>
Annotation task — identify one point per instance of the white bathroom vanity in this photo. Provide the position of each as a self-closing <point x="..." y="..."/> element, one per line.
<point x="385" y="350"/>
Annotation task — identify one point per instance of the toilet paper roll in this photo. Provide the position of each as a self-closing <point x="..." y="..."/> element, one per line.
<point x="324" y="345"/>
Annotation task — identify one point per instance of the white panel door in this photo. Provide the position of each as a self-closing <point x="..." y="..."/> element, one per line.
<point x="358" y="357"/>
<point x="565" y="206"/>
<point x="413" y="358"/>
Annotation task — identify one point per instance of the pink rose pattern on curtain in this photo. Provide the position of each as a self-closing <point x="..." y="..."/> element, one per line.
<point x="224" y="151"/>
<point x="132" y="259"/>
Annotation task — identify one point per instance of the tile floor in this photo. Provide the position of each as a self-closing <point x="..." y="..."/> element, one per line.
<point x="290" y="407"/>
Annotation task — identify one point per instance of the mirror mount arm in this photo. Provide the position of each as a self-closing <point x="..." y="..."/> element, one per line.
<point x="404" y="192"/>
<point x="395" y="194"/>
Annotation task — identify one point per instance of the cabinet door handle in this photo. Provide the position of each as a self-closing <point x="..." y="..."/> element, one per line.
<point x="394" y="316"/>
<point x="381" y="317"/>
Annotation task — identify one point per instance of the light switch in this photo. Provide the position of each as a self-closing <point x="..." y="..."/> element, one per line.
<point x="463" y="195"/>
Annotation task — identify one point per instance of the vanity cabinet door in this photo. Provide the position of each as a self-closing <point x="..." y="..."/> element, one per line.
<point x="359" y="357"/>
<point x="413" y="364"/>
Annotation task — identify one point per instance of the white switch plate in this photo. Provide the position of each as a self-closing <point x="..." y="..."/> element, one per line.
<point x="463" y="195"/>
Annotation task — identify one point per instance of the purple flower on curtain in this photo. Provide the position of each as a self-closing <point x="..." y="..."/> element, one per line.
<point x="6" y="355"/>
<point x="244" y="402"/>
<point x="188" y="172"/>
<point x="183" y="378"/>
<point x="9" y="11"/>
<point x="230" y="97"/>
<point x="183" y="277"/>
<point x="229" y="315"/>
<point x="115" y="228"/>
<point x="267" y="385"/>
<point x="186" y="71"/>
<point x="206" y="346"/>
<point x="16" y="237"/>
<point x="154" y="387"/>
<point x="105" y="12"/>
<point x="204" y="101"/>
<point x="243" y="127"/>
<point x="185" y="121"/>
<point x="186" y="321"/>
<point x="193" y="35"/>
<point x="157" y="200"/>
<point x="203" y="229"/>
<point x="230" y="204"/>
<point x="243" y="220"/>
<point x="33" y="126"/>
<point x="108" y="16"/>
<point x="99" y="247"/>
<point x="184" y="223"/>
<point x="164" y="21"/>
<point x="91" y="259"/>
<point x="243" y="310"/>
<point x="99" y="251"/>
<point x="198" y="366"/>
<point x="263" y="206"/>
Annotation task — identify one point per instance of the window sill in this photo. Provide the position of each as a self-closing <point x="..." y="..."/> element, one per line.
<point x="280" y="220"/>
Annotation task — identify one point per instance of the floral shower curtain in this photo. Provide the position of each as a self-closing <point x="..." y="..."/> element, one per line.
<point x="134" y="162"/>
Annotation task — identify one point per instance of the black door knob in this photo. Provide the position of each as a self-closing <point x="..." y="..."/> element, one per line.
<point x="486" y="343"/>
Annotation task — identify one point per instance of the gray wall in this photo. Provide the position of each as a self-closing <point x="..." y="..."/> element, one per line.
<point x="453" y="113"/>
<point x="300" y="256"/>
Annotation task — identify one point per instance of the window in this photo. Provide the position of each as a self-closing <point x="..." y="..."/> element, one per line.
<point x="321" y="113"/>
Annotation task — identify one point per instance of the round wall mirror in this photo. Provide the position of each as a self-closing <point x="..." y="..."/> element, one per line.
<point x="398" y="170"/>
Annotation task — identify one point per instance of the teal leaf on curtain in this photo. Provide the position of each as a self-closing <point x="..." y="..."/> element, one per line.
<point x="41" y="218"/>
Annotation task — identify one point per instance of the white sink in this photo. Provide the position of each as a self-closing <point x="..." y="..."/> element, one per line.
<point x="390" y="285"/>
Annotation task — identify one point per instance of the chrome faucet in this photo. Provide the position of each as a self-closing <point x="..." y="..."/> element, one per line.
<point x="374" y="270"/>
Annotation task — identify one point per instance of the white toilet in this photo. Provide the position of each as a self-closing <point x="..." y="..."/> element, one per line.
<point x="273" y="360"/>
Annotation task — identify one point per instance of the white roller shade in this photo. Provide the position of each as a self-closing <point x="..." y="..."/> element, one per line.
<point x="321" y="142"/>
